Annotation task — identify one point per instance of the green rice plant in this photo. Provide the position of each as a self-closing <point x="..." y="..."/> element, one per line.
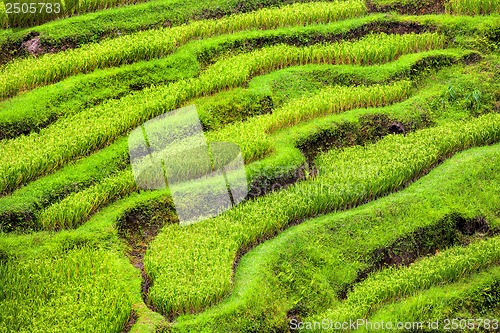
<point x="305" y="268"/>
<point x="28" y="12"/>
<point x="18" y="210"/>
<point x="28" y="202"/>
<point x="32" y="13"/>
<point x="473" y="7"/>
<point x="79" y="7"/>
<point x="86" y="29"/>
<point x="445" y="267"/>
<point x="44" y="293"/>
<point x="476" y="293"/>
<point x="4" y="19"/>
<point x="191" y="270"/>
<point x="281" y="144"/>
<point x="78" y="207"/>
<point x="82" y="133"/>
<point x="38" y="108"/>
<point x="30" y="73"/>
<point x="253" y="136"/>
<point x="337" y="99"/>
<point x="73" y="210"/>
<point x="73" y="281"/>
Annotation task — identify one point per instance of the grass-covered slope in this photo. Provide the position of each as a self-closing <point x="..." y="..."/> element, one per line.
<point x="369" y="132"/>
<point x="307" y="268"/>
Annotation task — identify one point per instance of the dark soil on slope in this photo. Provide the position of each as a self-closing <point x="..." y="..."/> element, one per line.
<point x="138" y="227"/>
<point x="414" y="7"/>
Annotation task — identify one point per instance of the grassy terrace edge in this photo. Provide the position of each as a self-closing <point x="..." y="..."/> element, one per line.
<point x="321" y="255"/>
<point x="29" y="73"/>
<point x="28" y="202"/>
<point x="348" y="182"/>
<point x="91" y="133"/>
<point x="91" y="28"/>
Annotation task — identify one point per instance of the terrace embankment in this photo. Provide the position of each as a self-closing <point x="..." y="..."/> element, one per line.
<point x="452" y="230"/>
<point x="416" y="7"/>
<point x="140" y="225"/>
<point x="369" y="129"/>
<point x="131" y="322"/>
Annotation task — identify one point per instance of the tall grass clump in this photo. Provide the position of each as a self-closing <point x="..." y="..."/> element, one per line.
<point x="473" y="7"/>
<point x="82" y="290"/>
<point x="4" y="19"/>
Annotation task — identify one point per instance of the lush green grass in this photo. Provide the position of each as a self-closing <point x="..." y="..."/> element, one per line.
<point x="85" y="234"/>
<point x="476" y="295"/>
<point x="308" y="93"/>
<point x="18" y="211"/>
<point x="92" y="276"/>
<point x="77" y="136"/>
<point x="456" y="7"/>
<point x="75" y="209"/>
<point x="91" y="280"/>
<point x="36" y="109"/>
<point x="286" y="159"/>
<point x="395" y="283"/>
<point x="4" y="23"/>
<point x="32" y="72"/>
<point x="473" y="7"/>
<point x="39" y="108"/>
<point x="58" y="9"/>
<point x="79" y="206"/>
<point x="305" y="268"/>
<point x="90" y="28"/>
<point x="54" y="283"/>
<point x="344" y="179"/>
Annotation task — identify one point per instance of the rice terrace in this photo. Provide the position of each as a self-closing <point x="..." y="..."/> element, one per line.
<point x="249" y="166"/>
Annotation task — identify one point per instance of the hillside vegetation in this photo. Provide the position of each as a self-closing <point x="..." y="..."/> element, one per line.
<point x="370" y="134"/>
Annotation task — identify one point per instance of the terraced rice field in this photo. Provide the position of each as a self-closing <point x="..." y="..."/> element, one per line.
<point x="370" y="137"/>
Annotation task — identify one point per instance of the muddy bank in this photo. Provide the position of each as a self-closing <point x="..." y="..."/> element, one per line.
<point x="138" y="226"/>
